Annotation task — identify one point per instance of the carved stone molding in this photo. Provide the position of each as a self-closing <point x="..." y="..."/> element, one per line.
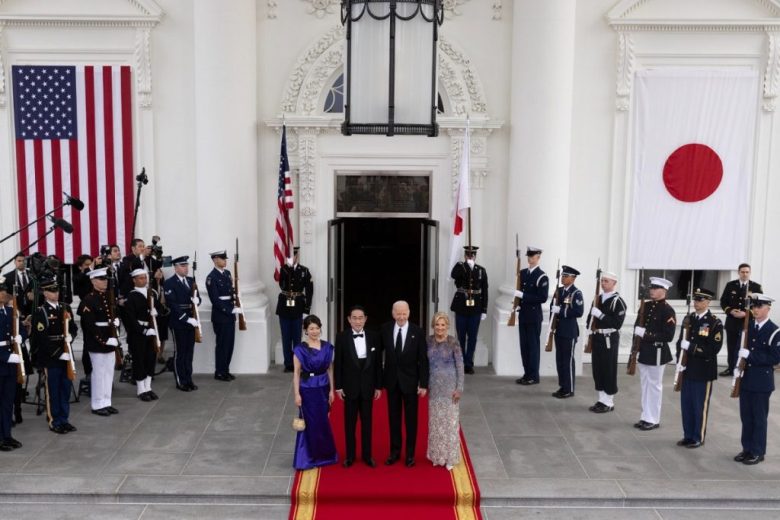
<point x="498" y="9"/>
<point x="479" y="161"/>
<point x="451" y="6"/>
<point x="625" y="70"/>
<point x="149" y="14"/>
<point x="772" y="72"/>
<point x="320" y="8"/>
<point x="272" y="6"/>
<point x="461" y="83"/>
<point x="306" y="161"/>
<point x="143" y="66"/>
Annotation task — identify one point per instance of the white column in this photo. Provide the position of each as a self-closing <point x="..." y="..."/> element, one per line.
<point x="540" y="142"/>
<point x="225" y="86"/>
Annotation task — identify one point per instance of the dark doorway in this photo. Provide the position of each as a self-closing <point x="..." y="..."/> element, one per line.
<point x="374" y="262"/>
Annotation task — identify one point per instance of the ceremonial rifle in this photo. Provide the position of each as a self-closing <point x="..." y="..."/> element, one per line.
<point x="632" y="359"/>
<point x="678" y="373"/>
<point x="21" y="375"/>
<point x="193" y="295"/>
<point x="71" y="366"/>
<point x="553" y="317"/>
<point x="736" y="381"/>
<point x="112" y="331"/>
<point x="590" y="321"/>
<point x="153" y="318"/>
<point x="518" y="284"/>
<point x="241" y="319"/>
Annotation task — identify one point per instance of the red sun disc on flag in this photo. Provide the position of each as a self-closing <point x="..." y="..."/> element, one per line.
<point x="693" y="172"/>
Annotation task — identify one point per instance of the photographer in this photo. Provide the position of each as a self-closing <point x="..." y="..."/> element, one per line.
<point x="133" y="261"/>
<point x="81" y="284"/>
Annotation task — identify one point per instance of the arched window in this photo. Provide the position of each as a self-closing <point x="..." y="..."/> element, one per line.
<point x="334" y="100"/>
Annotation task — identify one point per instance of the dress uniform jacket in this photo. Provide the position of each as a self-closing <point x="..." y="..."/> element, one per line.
<point x="733" y="297"/>
<point x="572" y="307"/>
<point x="295" y="282"/>
<point x="179" y="300"/>
<point x="47" y="336"/>
<point x="137" y="316"/>
<point x="535" y="286"/>
<point x="95" y="322"/>
<point x="470" y="284"/>
<point x="614" y="309"/>
<point x="219" y="285"/>
<point x="764" y="346"/>
<point x="705" y="335"/>
<point x="660" y="324"/>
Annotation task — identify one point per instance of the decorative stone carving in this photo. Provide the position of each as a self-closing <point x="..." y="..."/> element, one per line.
<point x="772" y="72"/>
<point x="307" y="181"/>
<point x="461" y="83"/>
<point x="143" y="66"/>
<point x="479" y="162"/>
<point x="451" y="6"/>
<point x="320" y="8"/>
<point x="625" y="70"/>
<point x="272" y="6"/>
<point x="498" y="9"/>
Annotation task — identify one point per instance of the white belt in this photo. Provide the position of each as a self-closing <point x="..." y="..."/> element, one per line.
<point x="605" y="331"/>
<point x="225" y="297"/>
<point x="3" y="343"/>
<point x="101" y="324"/>
<point x="144" y="323"/>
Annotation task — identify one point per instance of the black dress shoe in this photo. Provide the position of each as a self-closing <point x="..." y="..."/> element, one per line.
<point x="469" y="370"/>
<point x="649" y="426"/>
<point x="520" y="381"/>
<point x="13" y="443"/>
<point x="112" y="410"/>
<point x="592" y="408"/>
<point x="5" y="447"/>
<point x="742" y="455"/>
<point x="528" y="382"/>
<point x="753" y="459"/>
<point x="288" y="369"/>
<point x="183" y="388"/>
<point x="684" y="442"/>
<point x="221" y="377"/>
<point x="725" y="373"/>
<point x="145" y="397"/>
<point x="640" y="423"/>
<point x="102" y="412"/>
<point x="58" y="429"/>
<point x="392" y="459"/>
<point x="694" y="444"/>
<point x="409" y="462"/>
<point x="347" y="462"/>
<point x="370" y="462"/>
<point x="602" y="408"/>
<point x="69" y="427"/>
<point x="153" y="395"/>
<point x="192" y="386"/>
<point x="231" y="376"/>
<point x="563" y="395"/>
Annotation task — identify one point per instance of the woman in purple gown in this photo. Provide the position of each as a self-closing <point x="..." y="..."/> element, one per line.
<point x="313" y="385"/>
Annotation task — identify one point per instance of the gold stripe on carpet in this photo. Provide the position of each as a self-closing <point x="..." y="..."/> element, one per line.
<point x="464" y="490"/>
<point x="306" y="494"/>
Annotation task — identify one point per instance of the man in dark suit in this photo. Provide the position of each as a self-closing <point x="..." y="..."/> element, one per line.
<point x="732" y="301"/>
<point x="758" y="380"/>
<point x="357" y="374"/>
<point x="133" y="261"/>
<point x="405" y="378"/>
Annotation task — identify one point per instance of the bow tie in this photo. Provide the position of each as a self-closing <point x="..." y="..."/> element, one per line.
<point x="357" y="335"/>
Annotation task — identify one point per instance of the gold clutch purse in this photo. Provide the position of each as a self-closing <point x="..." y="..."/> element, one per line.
<point x="298" y="424"/>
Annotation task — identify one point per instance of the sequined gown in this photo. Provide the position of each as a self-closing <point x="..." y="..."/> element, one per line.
<point x="446" y="376"/>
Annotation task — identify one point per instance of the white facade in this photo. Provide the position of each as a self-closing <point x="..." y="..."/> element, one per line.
<point x="547" y="86"/>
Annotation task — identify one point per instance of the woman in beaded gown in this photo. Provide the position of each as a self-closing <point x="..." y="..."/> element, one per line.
<point x="445" y="387"/>
<point x="313" y="386"/>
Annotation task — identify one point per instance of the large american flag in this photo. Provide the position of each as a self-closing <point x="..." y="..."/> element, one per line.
<point x="74" y="134"/>
<point x="283" y="238"/>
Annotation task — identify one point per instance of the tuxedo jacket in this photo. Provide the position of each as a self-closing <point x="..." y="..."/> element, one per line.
<point x="410" y="369"/>
<point x="347" y="373"/>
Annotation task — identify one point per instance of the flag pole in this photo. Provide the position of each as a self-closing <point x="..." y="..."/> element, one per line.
<point x="467" y="137"/>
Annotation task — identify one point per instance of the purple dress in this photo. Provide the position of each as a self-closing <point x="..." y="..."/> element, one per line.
<point x="314" y="446"/>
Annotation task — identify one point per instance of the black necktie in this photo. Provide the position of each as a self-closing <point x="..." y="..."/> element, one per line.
<point x="184" y="281"/>
<point x="357" y="335"/>
<point x="399" y="341"/>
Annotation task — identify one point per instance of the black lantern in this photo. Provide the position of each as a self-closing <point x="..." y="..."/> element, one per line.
<point x="391" y="66"/>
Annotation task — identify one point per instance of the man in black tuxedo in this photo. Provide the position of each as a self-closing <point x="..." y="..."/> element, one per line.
<point x="732" y="301"/>
<point x="357" y="373"/>
<point x="405" y="378"/>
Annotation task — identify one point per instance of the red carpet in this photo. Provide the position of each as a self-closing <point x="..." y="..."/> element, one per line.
<point x="386" y="492"/>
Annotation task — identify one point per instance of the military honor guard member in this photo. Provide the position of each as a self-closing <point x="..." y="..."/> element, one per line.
<point x="48" y="337"/>
<point x="469" y="303"/>
<point x="181" y="295"/>
<point x="219" y="285"/>
<point x="732" y="301"/>
<point x="294" y="301"/>
<point x="9" y="363"/>
<point x="701" y="336"/>
<point x="609" y="314"/>
<point x="357" y="375"/>
<point x="142" y="307"/>
<point x="100" y="340"/>
<point x="758" y="380"/>
<point x="569" y="309"/>
<point x="654" y="353"/>
<point x="535" y="287"/>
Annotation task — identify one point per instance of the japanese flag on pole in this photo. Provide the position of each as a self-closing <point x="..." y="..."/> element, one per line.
<point x="693" y="139"/>
<point x="462" y="201"/>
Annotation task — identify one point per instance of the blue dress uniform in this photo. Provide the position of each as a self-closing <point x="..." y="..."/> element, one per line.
<point x="219" y="284"/>
<point x="535" y="287"/>
<point x="469" y="304"/>
<point x="758" y="383"/>
<point x="294" y="301"/>
<point x="48" y="340"/>
<point x="733" y="298"/>
<point x="705" y="337"/>
<point x="178" y="296"/>
<point x="572" y="306"/>
<point x="7" y="376"/>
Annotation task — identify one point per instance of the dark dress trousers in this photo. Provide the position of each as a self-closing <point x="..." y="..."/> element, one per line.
<point x="536" y="288"/>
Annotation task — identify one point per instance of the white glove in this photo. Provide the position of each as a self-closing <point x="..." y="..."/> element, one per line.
<point x="154" y="312"/>
<point x="14" y="358"/>
<point x="151" y="332"/>
<point x="194" y="300"/>
<point x="116" y="322"/>
<point x="237" y="310"/>
<point x="482" y="318"/>
<point x="737" y="373"/>
<point x="518" y="294"/>
<point x="112" y="342"/>
<point x="744" y="353"/>
<point x="639" y="331"/>
<point x="69" y="338"/>
<point x="289" y="261"/>
<point x="555" y="309"/>
<point x="596" y="313"/>
<point x="64" y="356"/>
<point x="680" y="367"/>
<point x="685" y="344"/>
<point x="193" y="322"/>
<point x="18" y="339"/>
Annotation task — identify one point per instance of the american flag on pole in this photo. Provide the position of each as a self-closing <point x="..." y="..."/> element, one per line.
<point x="283" y="238"/>
<point x="74" y="134"/>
